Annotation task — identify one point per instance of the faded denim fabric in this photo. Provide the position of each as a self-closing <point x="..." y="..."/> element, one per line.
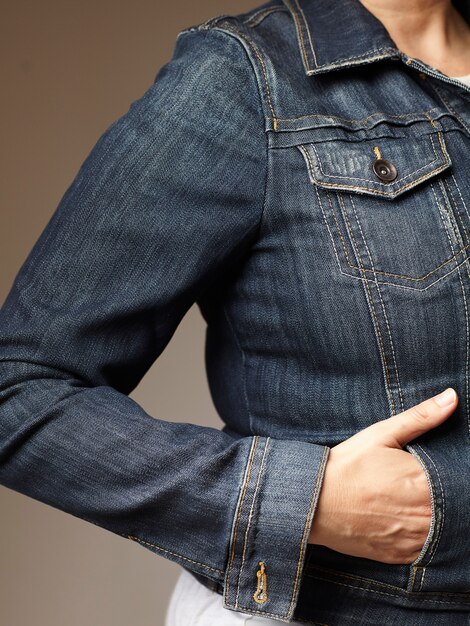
<point x="242" y="180"/>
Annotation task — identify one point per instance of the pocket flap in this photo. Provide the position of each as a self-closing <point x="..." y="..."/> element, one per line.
<point x="348" y="165"/>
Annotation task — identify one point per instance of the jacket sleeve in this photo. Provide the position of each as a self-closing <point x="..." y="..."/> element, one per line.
<point x="170" y="196"/>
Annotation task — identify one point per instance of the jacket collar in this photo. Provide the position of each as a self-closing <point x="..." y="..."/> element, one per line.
<point x="341" y="33"/>
<point x="338" y="33"/>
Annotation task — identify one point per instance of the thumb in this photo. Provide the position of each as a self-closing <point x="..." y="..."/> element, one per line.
<point x="398" y="430"/>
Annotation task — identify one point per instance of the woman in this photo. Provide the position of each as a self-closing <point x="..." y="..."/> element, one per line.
<point x="301" y="172"/>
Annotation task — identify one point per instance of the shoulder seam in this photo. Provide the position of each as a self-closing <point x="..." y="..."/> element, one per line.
<point x="229" y="28"/>
<point x="236" y="34"/>
<point x="257" y="17"/>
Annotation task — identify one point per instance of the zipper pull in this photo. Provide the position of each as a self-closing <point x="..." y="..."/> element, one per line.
<point x="260" y="595"/>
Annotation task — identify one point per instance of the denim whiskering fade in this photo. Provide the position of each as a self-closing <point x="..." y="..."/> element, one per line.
<point x="243" y="180"/>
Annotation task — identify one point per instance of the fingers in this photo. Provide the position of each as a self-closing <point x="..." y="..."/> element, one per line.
<point x="398" y="430"/>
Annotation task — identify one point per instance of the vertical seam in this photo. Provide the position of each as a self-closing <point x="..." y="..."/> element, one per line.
<point x="373" y="313"/>
<point x="295" y="14"/>
<point x="449" y="197"/>
<point x="436" y="542"/>
<point x="384" y="312"/>
<point x="432" y="529"/>
<point x="464" y="297"/>
<point x="234" y="32"/>
<point x="468" y="338"/>
<point x="243" y="356"/>
<point x="240" y="506"/>
<point x="451" y="215"/>
<point x="306" y="525"/>
<point x="451" y="109"/>
<point x="230" y="28"/>
<point x="255" y="494"/>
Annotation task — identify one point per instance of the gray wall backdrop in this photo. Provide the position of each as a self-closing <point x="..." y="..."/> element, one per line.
<point x="68" y="70"/>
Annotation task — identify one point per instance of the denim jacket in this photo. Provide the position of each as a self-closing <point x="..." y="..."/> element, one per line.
<point x="335" y="295"/>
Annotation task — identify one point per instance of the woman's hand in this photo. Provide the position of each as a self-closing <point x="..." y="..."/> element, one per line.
<point x="375" y="500"/>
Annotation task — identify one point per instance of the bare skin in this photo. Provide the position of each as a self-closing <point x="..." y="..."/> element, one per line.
<point x="432" y="31"/>
<point x="375" y="500"/>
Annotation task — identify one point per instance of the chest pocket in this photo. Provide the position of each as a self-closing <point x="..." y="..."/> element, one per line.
<point x="390" y="205"/>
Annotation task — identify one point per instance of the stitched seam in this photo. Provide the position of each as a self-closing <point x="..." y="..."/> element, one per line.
<point x="368" y="180"/>
<point x="466" y="314"/>
<point x="395" y="595"/>
<point x="451" y="109"/>
<point x="245" y="485"/>
<point x="184" y="558"/>
<point x="450" y="217"/>
<point x="365" y="269"/>
<point x="307" y="521"/>
<point x="372" y="310"/>
<point x="381" y="302"/>
<point x="293" y="594"/>
<point x="460" y="195"/>
<point x="377" y="191"/>
<point x="261" y="14"/>
<point x="213" y="21"/>
<point x="431" y="536"/>
<point x="309" y="34"/>
<point x="263" y="67"/>
<point x="413" y="576"/>
<point x="229" y="321"/>
<point x="354" y="577"/>
<point x="267" y="153"/>
<point x="298" y="28"/>
<point x="328" y="227"/>
<point x="398" y="286"/>
<point x="339" y="230"/>
<point x="255" y="494"/>
<point x="405" y="287"/>
<point x="450" y="198"/>
<point x="422" y="579"/>
<point x="360" y="58"/>
<point x="449" y="211"/>
<point x="437" y="539"/>
<point x="432" y="548"/>
<point x="361" y="119"/>
<point x="365" y="55"/>
<point x="243" y="355"/>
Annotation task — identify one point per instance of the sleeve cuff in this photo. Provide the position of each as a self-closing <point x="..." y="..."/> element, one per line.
<point x="271" y="526"/>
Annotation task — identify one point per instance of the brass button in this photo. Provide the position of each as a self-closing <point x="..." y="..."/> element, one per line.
<point x="385" y="170"/>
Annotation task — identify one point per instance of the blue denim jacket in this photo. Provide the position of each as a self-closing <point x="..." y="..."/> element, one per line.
<point x="242" y="180"/>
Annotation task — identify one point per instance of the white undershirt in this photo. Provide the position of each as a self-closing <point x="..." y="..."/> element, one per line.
<point x="463" y="79"/>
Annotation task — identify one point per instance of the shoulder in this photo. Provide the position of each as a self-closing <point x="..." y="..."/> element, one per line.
<point x="264" y="25"/>
<point x="223" y="48"/>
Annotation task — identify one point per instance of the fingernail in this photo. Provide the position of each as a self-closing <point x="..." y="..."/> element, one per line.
<point x="446" y="397"/>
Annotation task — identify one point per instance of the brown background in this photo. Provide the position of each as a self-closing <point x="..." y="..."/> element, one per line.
<point x="68" y="70"/>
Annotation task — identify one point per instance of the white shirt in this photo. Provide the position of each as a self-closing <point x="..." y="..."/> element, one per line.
<point x="193" y="603"/>
<point x="463" y="79"/>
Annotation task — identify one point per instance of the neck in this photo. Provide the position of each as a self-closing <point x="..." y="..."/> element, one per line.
<point x="430" y="30"/>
